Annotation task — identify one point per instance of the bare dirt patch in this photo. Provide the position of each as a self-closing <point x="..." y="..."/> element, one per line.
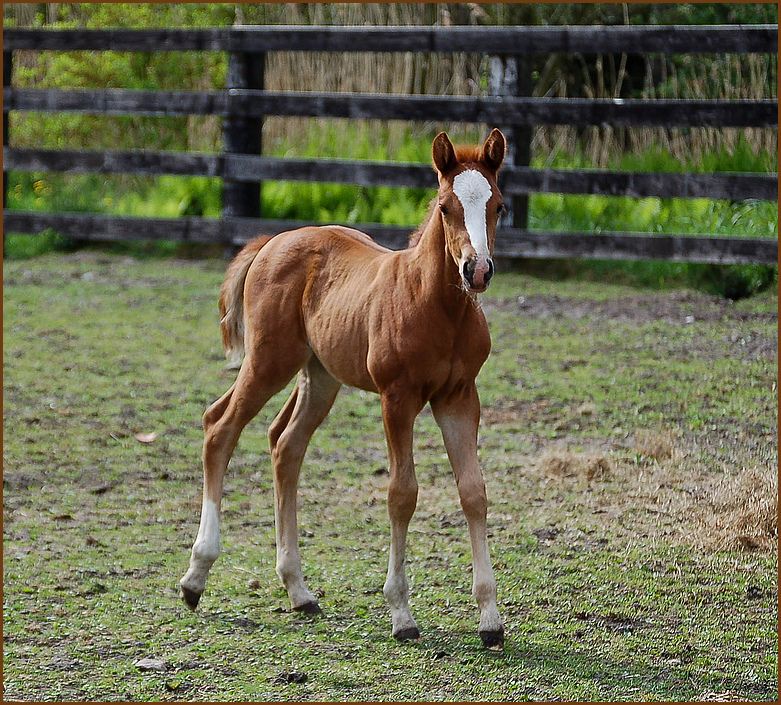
<point x="677" y="308"/>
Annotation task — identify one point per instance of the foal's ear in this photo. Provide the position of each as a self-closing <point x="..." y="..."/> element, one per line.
<point x="443" y="153"/>
<point x="492" y="154"/>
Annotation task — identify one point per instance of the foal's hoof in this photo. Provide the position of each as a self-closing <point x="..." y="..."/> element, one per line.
<point x="407" y="634"/>
<point x="190" y="597"/>
<point x="308" y="608"/>
<point x="493" y="639"/>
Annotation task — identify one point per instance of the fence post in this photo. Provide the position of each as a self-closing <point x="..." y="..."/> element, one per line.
<point x="7" y="68"/>
<point x="510" y="76"/>
<point x="242" y="135"/>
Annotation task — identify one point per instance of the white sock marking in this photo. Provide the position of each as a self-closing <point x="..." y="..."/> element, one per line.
<point x="208" y="540"/>
<point x="205" y="549"/>
<point x="473" y="191"/>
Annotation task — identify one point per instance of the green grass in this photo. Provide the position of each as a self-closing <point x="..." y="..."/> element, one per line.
<point x="604" y="586"/>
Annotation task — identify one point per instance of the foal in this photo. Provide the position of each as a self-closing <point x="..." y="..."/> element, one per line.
<point x="331" y="304"/>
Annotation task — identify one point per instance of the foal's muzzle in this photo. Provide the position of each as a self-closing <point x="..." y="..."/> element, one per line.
<point x="477" y="273"/>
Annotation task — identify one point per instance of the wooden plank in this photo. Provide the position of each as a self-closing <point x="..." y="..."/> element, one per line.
<point x="363" y="173"/>
<point x="510" y="242"/>
<point x="118" y="101"/>
<point x="486" y="110"/>
<point x="513" y="40"/>
<point x="634" y="246"/>
<point x="151" y="40"/>
<point x="241" y="230"/>
<point x="115" y="162"/>
<point x="518" y="111"/>
<point x="513" y="180"/>
<point x="113" y="228"/>
<point x="729" y="186"/>
<point x="667" y="39"/>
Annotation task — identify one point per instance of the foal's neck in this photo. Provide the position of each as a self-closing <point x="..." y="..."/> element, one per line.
<point x="439" y="274"/>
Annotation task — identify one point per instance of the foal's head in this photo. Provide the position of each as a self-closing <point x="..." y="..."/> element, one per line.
<point x="470" y="204"/>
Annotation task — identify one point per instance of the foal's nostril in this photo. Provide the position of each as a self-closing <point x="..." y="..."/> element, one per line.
<point x="469" y="271"/>
<point x="490" y="271"/>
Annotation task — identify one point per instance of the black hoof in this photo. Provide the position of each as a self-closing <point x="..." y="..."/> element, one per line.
<point x="308" y="608"/>
<point x="407" y="634"/>
<point x="493" y="640"/>
<point x="190" y="597"/>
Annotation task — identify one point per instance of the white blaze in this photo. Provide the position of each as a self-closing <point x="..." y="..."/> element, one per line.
<point x="473" y="191"/>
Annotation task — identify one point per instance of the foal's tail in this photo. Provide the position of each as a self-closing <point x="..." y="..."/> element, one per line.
<point x="232" y="301"/>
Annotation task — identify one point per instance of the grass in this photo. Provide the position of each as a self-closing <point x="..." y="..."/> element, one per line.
<point x="607" y="587"/>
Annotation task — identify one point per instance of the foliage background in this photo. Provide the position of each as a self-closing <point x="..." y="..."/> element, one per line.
<point x="641" y="149"/>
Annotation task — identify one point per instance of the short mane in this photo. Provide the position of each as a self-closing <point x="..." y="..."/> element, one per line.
<point x="414" y="238"/>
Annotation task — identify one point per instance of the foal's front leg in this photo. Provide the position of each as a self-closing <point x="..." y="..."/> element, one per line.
<point x="458" y="416"/>
<point x="398" y="414"/>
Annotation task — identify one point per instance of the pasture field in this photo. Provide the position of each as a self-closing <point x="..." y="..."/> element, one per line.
<point x="629" y="446"/>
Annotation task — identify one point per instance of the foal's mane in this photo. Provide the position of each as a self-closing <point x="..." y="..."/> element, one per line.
<point x="465" y="154"/>
<point x="414" y="237"/>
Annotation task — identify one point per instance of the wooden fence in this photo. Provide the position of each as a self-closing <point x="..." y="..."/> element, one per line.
<point x="244" y="103"/>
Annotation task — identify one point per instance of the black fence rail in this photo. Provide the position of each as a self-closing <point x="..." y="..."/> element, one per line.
<point x="639" y="39"/>
<point x="244" y="104"/>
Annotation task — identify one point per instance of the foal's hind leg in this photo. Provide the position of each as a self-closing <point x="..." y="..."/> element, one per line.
<point x="223" y="423"/>
<point x="288" y="437"/>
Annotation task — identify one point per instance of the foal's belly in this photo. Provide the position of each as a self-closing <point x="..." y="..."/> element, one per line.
<point x="347" y="372"/>
<point x="340" y="341"/>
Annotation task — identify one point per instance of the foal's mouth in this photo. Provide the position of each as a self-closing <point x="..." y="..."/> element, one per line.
<point x="475" y="289"/>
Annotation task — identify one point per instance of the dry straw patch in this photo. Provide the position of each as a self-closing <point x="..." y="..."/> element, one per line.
<point x="563" y="463"/>
<point x="656" y="444"/>
<point x="741" y="512"/>
<point x="674" y="491"/>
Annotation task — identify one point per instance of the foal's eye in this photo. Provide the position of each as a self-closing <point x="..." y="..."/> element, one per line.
<point x="501" y="209"/>
<point x="443" y="209"/>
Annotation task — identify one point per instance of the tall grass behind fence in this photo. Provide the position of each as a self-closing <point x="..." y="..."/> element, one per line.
<point x="728" y="76"/>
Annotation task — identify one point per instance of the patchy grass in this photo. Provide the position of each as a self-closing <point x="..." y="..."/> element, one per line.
<point x="608" y="585"/>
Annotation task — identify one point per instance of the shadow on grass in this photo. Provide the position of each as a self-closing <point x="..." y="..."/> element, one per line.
<point x="586" y="668"/>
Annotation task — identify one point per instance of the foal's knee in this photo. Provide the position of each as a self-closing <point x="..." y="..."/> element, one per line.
<point x="473" y="499"/>
<point x="402" y="499"/>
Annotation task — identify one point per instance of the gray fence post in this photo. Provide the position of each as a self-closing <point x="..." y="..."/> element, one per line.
<point x="7" y="68"/>
<point x="242" y="135"/>
<point x="511" y="77"/>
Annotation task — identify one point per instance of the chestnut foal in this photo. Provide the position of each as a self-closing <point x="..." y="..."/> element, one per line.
<point x="331" y="304"/>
